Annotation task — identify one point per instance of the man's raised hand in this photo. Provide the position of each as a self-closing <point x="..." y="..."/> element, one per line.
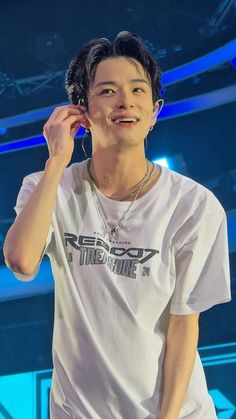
<point x="60" y="130"/>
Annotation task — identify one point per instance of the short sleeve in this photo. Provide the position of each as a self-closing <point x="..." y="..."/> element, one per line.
<point x="201" y="260"/>
<point x="28" y="186"/>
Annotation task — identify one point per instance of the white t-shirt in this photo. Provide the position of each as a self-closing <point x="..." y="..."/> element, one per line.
<point x="113" y="298"/>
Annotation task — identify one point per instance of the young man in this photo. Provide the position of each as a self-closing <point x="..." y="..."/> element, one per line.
<point x="137" y="251"/>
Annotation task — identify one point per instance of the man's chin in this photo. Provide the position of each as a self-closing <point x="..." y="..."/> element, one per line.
<point x="125" y="141"/>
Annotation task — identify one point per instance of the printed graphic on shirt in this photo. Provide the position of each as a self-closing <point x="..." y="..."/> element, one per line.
<point x="122" y="261"/>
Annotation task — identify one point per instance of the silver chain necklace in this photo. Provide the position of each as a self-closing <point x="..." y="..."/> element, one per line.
<point x="147" y="177"/>
<point x="115" y="230"/>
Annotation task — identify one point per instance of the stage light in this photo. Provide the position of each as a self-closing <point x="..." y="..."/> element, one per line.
<point x="175" y="163"/>
<point x="198" y="103"/>
<point x="200" y="65"/>
<point x="3" y="130"/>
<point x="22" y="144"/>
<point x="31" y="142"/>
<point x="162" y="162"/>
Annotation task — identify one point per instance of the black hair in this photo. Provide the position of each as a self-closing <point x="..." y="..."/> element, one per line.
<point x="81" y="72"/>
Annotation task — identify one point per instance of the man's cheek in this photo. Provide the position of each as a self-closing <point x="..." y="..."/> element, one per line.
<point x="96" y="117"/>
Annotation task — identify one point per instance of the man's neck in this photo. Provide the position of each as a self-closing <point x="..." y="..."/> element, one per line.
<point x="116" y="174"/>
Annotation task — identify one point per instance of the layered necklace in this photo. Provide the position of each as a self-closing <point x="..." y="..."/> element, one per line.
<point x="113" y="232"/>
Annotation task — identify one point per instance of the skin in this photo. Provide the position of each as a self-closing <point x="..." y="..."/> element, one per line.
<point x="181" y="350"/>
<point x="118" y="158"/>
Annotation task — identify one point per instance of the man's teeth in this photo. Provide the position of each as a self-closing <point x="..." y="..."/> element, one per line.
<point x="125" y="120"/>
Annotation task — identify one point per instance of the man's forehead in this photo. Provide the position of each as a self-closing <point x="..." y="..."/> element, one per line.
<point x="115" y="68"/>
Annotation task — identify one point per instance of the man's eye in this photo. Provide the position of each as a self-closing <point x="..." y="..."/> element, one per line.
<point x="139" y="89"/>
<point x="106" y="91"/>
<point x="110" y="91"/>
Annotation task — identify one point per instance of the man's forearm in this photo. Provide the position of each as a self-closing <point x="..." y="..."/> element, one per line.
<point x="26" y="238"/>
<point x="182" y="339"/>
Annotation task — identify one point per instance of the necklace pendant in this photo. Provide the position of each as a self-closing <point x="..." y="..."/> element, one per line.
<point x="114" y="232"/>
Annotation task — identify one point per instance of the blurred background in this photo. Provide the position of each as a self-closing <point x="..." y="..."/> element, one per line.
<point x="194" y="42"/>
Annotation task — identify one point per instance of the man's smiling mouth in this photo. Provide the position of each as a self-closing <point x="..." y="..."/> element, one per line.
<point x="125" y="121"/>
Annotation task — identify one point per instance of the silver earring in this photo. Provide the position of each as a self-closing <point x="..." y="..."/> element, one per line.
<point x="151" y="128"/>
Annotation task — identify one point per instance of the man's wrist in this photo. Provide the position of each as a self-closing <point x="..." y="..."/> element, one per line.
<point x="56" y="163"/>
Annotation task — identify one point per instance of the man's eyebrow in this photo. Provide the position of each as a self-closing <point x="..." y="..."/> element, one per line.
<point x="102" y="83"/>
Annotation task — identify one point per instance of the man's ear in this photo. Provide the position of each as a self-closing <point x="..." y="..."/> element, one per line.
<point x="85" y="122"/>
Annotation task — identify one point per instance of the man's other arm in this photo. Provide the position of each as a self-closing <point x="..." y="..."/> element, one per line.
<point x="181" y="347"/>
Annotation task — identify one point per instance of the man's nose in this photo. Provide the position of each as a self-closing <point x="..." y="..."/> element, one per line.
<point x="125" y="100"/>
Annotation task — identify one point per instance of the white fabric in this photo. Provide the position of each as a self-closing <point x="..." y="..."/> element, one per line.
<point x="113" y="299"/>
